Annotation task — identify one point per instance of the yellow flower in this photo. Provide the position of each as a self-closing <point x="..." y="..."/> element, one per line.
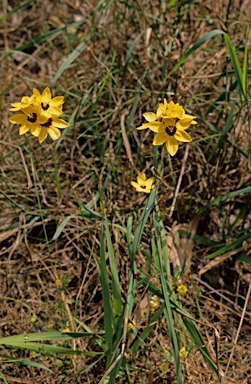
<point x="154" y="303"/>
<point x="59" y="363"/>
<point x="170" y="123"/>
<point x="183" y="353"/>
<point x="50" y="107"/>
<point x="33" y="353"/>
<point x="51" y="127"/>
<point x="171" y="110"/>
<point x="131" y="325"/>
<point x="58" y="281"/>
<point x="30" y="120"/>
<point x="25" y="102"/>
<point x="164" y="367"/>
<point x="142" y="184"/>
<point x="67" y="329"/>
<point x="182" y="290"/>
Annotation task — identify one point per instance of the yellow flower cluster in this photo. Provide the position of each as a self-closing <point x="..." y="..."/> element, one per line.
<point x="131" y="325"/>
<point x="183" y="353"/>
<point x="154" y="303"/>
<point x="40" y="115"/>
<point x="169" y="122"/>
<point x="182" y="290"/>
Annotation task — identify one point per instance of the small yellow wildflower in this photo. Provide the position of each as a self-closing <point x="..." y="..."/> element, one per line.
<point x="40" y="115"/>
<point x="131" y="325"/>
<point x="25" y="102"/>
<point x="59" y="363"/>
<point x="143" y="184"/>
<point x="51" y="127"/>
<point x="49" y="326"/>
<point x="183" y="353"/>
<point x="33" y="353"/>
<point x="30" y="120"/>
<point x="67" y="329"/>
<point x="170" y="123"/>
<point x="58" y="281"/>
<point x="164" y="367"/>
<point x="182" y="290"/>
<point x="49" y="106"/>
<point x="154" y="303"/>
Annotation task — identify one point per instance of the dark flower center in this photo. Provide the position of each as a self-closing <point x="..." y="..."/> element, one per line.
<point x="48" y="123"/>
<point x="170" y="130"/>
<point x="45" y="107"/>
<point x="143" y="186"/>
<point x="32" y="117"/>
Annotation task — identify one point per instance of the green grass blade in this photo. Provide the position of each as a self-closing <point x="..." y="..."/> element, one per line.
<point x="8" y="359"/>
<point x="143" y="335"/>
<point x="108" y="312"/>
<point x="230" y="247"/>
<point x="20" y="6"/>
<point x="116" y="291"/>
<point x="245" y="65"/>
<point x="221" y="199"/>
<point x="75" y="53"/>
<point x="2" y="376"/>
<point x="168" y="309"/>
<point x="131" y="49"/>
<point x="235" y="64"/>
<point x="194" y="48"/>
<point x="198" y="340"/>
<point x="243" y="257"/>
<point x="142" y="222"/>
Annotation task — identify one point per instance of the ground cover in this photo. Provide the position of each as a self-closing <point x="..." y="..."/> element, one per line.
<point x="99" y="282"/>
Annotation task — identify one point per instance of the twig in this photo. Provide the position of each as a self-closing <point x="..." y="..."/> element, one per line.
<point x="239" y="328"/>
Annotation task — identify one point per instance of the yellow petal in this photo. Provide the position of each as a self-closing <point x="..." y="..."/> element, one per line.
<point x="184" y="123"/>
<point x="189" y="116"/>
<point x="168" y="121"/>
<point x="159" y="112"/>
<point x="43" y="134"/>
<point x="28" y="110"/>
<point x="36" y="92"/>
<point x="54" y="133"/>
<point x="60" y="123"/>
<point x="35" y="129"/>
<point x="57" y="101"/>
<point x="141" y="179"/>
<point x="134" y="184"/>
<point x="149" y="183"/>
<point x="160" y="138"/>
<point x="143" y="126"/>
<point x="150" y="116"/>
<point x="154" y="126"/>
<point x="182" y="136"/>
<point x="20" y="118"/>
<point x="41" y="119"/>
<point x="172" y="146"/>
<point x="46" y="95"/>
<point x="24" y="128"/>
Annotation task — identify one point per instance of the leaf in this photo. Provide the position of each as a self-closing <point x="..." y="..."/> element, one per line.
<point x="74" y="54"/>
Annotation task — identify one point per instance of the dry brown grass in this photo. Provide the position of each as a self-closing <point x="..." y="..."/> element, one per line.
<point x="29" y="271"/>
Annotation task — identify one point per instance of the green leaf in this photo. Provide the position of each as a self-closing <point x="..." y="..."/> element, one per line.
<point x="108" y="312"/>
<point x="142" y="222"/>
<point x="198" y="340"/>
<point x="194" y="48"/>
<point x="74" y="54"/>
<point x="224" y="198"/>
